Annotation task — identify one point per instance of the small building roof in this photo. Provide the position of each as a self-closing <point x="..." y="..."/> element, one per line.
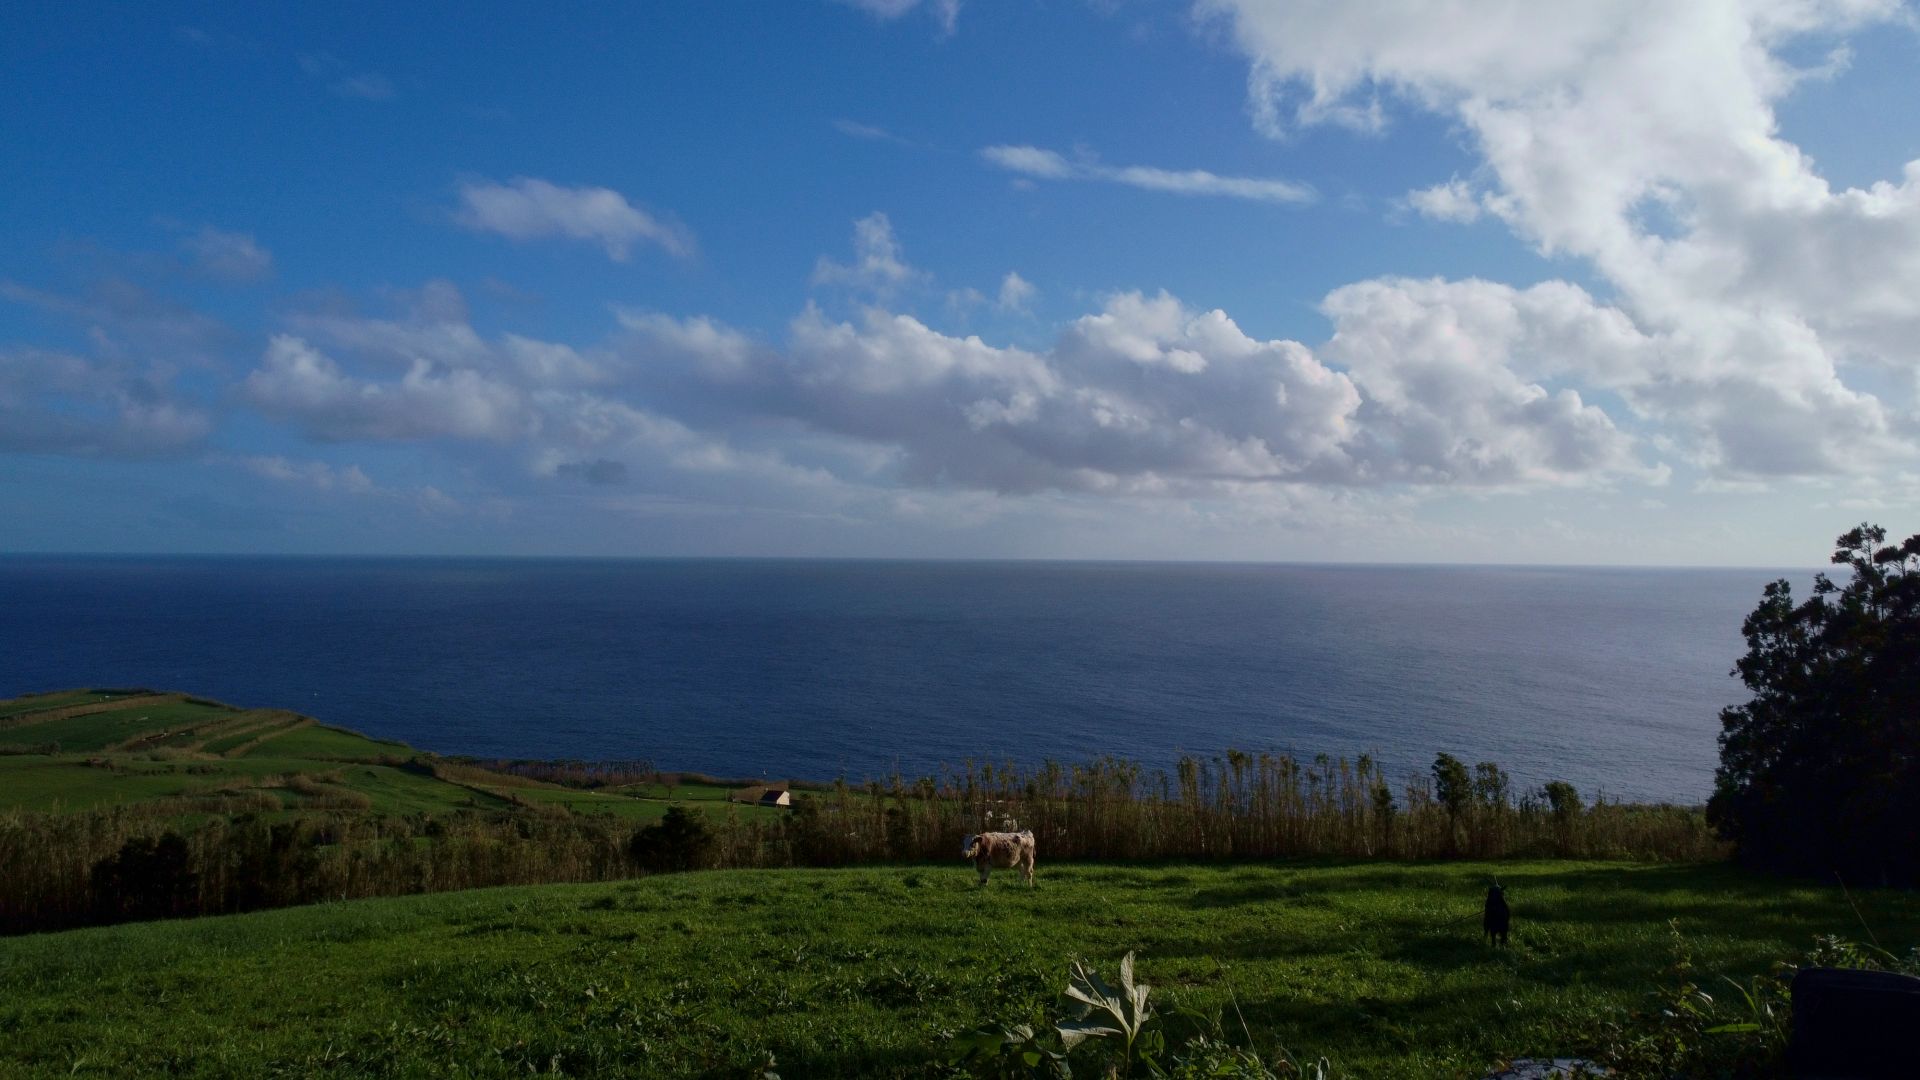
<point x="770" y="794"/>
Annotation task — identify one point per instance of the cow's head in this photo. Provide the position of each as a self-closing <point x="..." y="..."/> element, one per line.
<point x="970" y="847"/>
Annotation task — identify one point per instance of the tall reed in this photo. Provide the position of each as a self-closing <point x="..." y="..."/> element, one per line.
<point x="240" y="853"/>
<point x="1236" y="806"/>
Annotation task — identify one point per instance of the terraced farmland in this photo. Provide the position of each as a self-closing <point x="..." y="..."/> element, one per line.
<point x="81" y="750"/>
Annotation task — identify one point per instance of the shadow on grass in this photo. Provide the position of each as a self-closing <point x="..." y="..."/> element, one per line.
<point x="900" y="1061"/>
<point x="1405" y="1026"/>
<point x="1264" y="893"/>
<point x="1720" y="894"/>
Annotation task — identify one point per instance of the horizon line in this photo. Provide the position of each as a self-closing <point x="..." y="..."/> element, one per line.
<point x="947" y="559"/>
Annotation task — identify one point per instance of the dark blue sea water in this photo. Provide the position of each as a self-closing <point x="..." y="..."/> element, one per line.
<point x="1609" y="678"/>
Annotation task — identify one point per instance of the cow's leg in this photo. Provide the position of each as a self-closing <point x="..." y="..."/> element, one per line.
<point x="983" y="873"/>
<point x="1029" y="869"/>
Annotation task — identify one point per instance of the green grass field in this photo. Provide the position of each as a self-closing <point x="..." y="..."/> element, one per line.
<point x="872" y="971"/>
<point x="869" y="971"/>
<point x="155" y="749"/>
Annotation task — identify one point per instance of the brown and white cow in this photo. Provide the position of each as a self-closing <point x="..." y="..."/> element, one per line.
<point x="988" y="850"/>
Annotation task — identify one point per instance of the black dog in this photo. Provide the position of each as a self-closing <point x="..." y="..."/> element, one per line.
<point x="1498" y="917"/>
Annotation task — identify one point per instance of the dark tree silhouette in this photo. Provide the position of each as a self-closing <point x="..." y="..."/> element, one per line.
<point x="1453" y="787"/>
<point x="147" y="879"/>
<point x="1820" y="770"/>
<point x="1562" y="798"/>
<point x="676" y="842"/>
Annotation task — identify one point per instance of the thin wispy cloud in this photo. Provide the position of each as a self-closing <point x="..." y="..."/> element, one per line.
<point x="226" y="256"/>
<point x="1038" y="163"/>
<point x="343" y="80"/>
<point x="345" y="480"/>
<point x="124" y="319"/>
<point x="945" y="12"/>
<point x="62" y="403"/>
<point x="315" y="474"/>
<point x="1031" y="161"/>
<point x="854" y="129"/>
<point x="367" y="86"/>
<point x="529" y="209"/>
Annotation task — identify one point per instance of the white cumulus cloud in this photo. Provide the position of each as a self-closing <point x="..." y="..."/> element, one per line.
<point x="1016" y="293"/>
<point x="1642" y="137"/>
<point x="1147" y="396"/>
<point x="1454" y="200"/>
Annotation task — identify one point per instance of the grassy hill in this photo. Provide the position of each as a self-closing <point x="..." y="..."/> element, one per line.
<point x="124" y="804"/>
<point x="869" y="971"/>
<point x="163" y="753"/>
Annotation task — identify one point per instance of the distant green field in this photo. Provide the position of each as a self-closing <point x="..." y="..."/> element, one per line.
<point x="315" y="741"/>
<point x="641" y="808"/>
<point x="678" y="792"/>
<point x="246" y="730"/>
<point x="399" y="791"/>
<point x="868" y="972"/>
<point x="39" y="782"/>
<point x="99" y="730"/>
<point x="43" y="702"/>
<point x="159" y="749"/>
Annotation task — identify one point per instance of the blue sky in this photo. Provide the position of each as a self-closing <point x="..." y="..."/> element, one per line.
<point x="1228" y="279"/>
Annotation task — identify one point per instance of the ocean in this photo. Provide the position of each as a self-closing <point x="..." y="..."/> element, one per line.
<point x="1611" y="679"/>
